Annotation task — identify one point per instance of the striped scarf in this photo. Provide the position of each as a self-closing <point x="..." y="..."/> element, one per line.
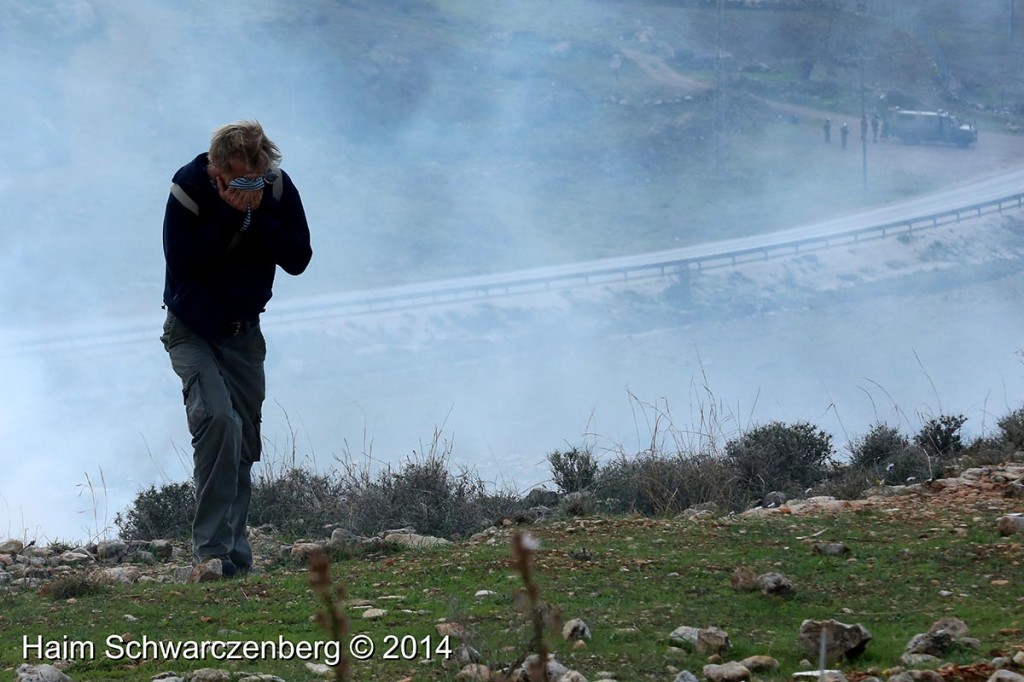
<point x="247" y="185"/>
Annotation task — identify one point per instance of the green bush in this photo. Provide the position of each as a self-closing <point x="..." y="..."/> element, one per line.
<point x="1011" y="427"/>
<point x="71" y="587"/>
<point x="878" y="447"/>
<point x="655" y="484"/>
<point x="848" y="483"/>
<point x="573" y="470"/>
<point x="423" y="494"/>
<point x="884" y="455"/>
<point x="910" y="466"/>
<point x="296" y="501"/>
<point x="779" y="457"/>
<point x="159" y="513"/>
<point x="985" y="451"/>
<point x="939" y="437"/>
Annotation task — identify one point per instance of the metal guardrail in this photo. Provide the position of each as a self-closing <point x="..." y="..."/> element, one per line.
<point x="541" y="280"/>
<point x="531" y="282"/>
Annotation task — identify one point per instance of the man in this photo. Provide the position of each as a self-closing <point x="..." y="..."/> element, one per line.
<point x="232" y="217"/>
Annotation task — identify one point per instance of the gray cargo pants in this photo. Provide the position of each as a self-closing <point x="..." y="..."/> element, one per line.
<point x="223" y="384"/>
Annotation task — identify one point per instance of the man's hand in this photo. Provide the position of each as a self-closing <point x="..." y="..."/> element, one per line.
<point x="238" y="199"/>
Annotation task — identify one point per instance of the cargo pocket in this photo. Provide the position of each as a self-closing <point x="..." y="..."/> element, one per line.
<point x="195" y="407"/>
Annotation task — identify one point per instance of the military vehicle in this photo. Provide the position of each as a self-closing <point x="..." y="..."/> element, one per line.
<point x="913" y="127"/>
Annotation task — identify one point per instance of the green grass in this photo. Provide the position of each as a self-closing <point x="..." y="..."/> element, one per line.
<point x="645" y="577"/>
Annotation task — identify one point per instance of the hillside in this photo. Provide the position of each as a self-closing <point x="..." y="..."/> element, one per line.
<point x="438" y="139"/>
<point x="543" y="133"/>
<point x="893" y="564"/>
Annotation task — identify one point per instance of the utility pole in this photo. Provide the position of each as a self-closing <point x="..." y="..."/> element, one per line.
<point x="719" y="115"/>
<point x="863" y="129"/>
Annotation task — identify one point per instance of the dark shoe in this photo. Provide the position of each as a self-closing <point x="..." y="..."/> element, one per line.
<point x="228" y="568"/>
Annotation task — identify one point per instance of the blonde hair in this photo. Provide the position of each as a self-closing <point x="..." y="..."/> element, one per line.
<point x="245" y="141"/>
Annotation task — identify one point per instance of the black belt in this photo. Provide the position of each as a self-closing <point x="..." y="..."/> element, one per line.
<point x="236" y="327"/>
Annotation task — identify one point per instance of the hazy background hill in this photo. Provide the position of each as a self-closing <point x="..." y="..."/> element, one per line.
<point x="440" y="139"/>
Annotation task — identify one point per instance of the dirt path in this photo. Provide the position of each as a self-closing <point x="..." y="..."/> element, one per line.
<point x="663" y="74"/>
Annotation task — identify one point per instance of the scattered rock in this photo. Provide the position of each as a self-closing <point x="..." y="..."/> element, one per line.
<point x="206" y="571"/>
<point x="759" y="663"/>
<point x="711" y="641"/>
<point x="12" y="547"/>
<point x="342" y="539"/>
<point x="415" y="541"/>
<point x="830" y="548"/>
<point x="463" y="655"/>
<point x="704" y="641"/>
<point x="122" y="575"/>
<point x="841" y="640"/>
<point x="554" y="669"/>
<point x="111" y="549"/>
<point x="775" y="584"/>
<point x="208" y="675"/>
<point x="319" y="669"/>
<point x="39" y="673"/>
<point x="75" y="557"/>
<point x="942" y="638"/>
<point x="162" y="548"/>
<point x="450" y="629"/>
<point x="726" y="672"/>
<point x="1011" y="524"/>
<point x="575" y="629"/>
<point x="1016" y="489"/>
<point x="684" y="637"/>
<point x="815" y="675"/>
<point x="1006" y="676"/>
<point x="743" y="580"/>
<point x="304" y="550"/>
<point x="541" y="497"/>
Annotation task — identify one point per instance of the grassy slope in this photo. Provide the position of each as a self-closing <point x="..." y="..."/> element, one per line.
<point x="643" y="579"/>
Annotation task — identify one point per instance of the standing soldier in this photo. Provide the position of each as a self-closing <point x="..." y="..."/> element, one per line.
<point x="828" y="130"/>
<point x="844" y="132"/>
<point x="874" y="127"/>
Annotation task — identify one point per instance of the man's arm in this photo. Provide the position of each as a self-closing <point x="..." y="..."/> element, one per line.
<point x="280" y="229"/>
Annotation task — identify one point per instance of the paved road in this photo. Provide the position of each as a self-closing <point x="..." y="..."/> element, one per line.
<point x="285" y="312"/>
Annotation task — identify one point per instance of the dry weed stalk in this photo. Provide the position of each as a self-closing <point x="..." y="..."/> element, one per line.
<point x="333" y="618"/>
<point x="523" y="548"/>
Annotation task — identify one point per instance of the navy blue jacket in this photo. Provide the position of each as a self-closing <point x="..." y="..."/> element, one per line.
<point x="211" y="282"/>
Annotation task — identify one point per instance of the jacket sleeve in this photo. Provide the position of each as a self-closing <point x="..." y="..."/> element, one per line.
<point x="195" y="245"/>
<point x="279" y="228"/>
